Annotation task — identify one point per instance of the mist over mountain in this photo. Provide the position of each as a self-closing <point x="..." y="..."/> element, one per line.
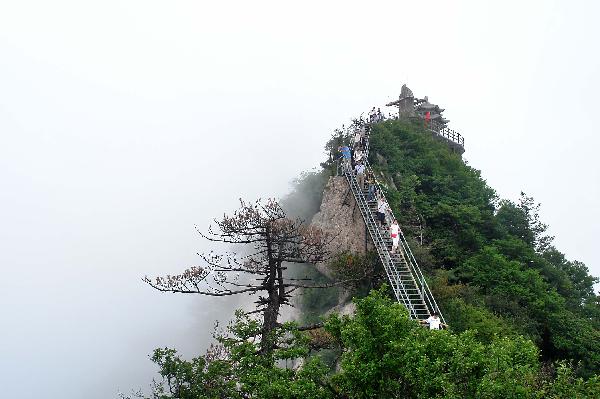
<point x="125" y="124"/>
<point x="483" y="264"/>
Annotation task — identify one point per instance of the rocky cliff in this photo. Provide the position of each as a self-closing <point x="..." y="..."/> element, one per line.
<point x="340" y="216"/>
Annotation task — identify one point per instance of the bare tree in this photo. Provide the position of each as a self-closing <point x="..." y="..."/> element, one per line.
<point x="276" y="241"/>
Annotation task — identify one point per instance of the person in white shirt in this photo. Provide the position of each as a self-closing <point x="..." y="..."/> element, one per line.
<point x="382" y="208"/>
<point x="357" y="137"/>
<point x="395" y="234"/>
<point x="360" y="174"/>
<point x="434" y="322"/>
<point x="358" y="155"/>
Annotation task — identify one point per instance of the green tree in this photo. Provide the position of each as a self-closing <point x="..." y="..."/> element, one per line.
<point x="387" y="355"/>
<point x="237" y="368"/>
<point x="384" y="354"/>
<point x="498" y="247"/>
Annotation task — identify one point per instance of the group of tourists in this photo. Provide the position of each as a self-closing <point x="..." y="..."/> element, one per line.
<point x="354" y="159"/>
<point x="434" y="322"/>
<point x="357" y="155"/>
<point x="376" y="116"/>
<point x="358" y="152"/>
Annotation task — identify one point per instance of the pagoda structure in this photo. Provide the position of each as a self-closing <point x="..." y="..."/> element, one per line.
<point x="411" y="107"/>
<point x="423" y="106"/>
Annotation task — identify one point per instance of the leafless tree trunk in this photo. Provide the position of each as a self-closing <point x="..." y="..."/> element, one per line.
<point x="276" y="241"/>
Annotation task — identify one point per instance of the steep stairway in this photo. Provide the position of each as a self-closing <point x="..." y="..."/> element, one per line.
<point x="403" y="272"/>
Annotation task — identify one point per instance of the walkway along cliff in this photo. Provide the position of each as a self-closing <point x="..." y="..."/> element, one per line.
<point x="349" y="211"/>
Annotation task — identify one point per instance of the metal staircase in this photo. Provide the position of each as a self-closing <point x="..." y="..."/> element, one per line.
<point x="405" y="276"/>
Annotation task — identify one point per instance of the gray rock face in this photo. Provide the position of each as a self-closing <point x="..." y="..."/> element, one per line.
<point x="405" y="92"/>
<point x="339" y="216"/>
<point x="343" y="309"/>
<point x="405" y="103"/>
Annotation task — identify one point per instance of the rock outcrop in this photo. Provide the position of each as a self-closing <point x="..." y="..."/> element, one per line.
<point x="340" y="217"/>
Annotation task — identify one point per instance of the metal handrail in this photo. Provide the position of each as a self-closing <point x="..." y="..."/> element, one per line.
<point x="378" y="239"/>
<point x="445" y="132"/>
<point x="416" y="275"/>
<point x="440" y="130"/>
<point x="421" y="277"/>
<point x="411" y="261"/>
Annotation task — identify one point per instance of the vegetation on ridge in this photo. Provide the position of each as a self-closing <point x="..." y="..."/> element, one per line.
<point x="525" y="321"/>
<point x="384" y="354"/>
<point x="495" y="269"/>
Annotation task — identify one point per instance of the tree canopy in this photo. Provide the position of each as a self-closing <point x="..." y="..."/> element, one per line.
<point x="382" y="354"/>
<point x="524" y="320"/>
<point x="490" y="256"/>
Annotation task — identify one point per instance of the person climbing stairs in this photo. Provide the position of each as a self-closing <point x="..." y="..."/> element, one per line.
<point x="403" y="272"/>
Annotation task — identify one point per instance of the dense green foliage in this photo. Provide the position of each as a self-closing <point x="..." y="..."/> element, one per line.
<point x="524" y="320"/>
<point x="235" y="367"/>
<point x="384" y="354"/>
<point x="497" y="270"/>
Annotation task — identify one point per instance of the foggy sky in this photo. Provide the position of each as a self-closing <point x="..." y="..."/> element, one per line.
<point x="124" y="124"/>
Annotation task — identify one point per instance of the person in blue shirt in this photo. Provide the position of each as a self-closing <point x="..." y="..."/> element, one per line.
<point x="346" y="156"/>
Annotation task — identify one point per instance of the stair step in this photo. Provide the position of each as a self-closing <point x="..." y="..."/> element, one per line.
<point x="399" y="267"/>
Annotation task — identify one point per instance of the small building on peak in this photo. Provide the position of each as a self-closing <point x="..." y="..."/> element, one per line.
<point x="423" y="106"/>
<point x="432" y="115"/>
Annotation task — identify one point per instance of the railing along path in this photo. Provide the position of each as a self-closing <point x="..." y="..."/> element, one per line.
<point x="403" y="272"/>
<point x="447" y="133"/>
